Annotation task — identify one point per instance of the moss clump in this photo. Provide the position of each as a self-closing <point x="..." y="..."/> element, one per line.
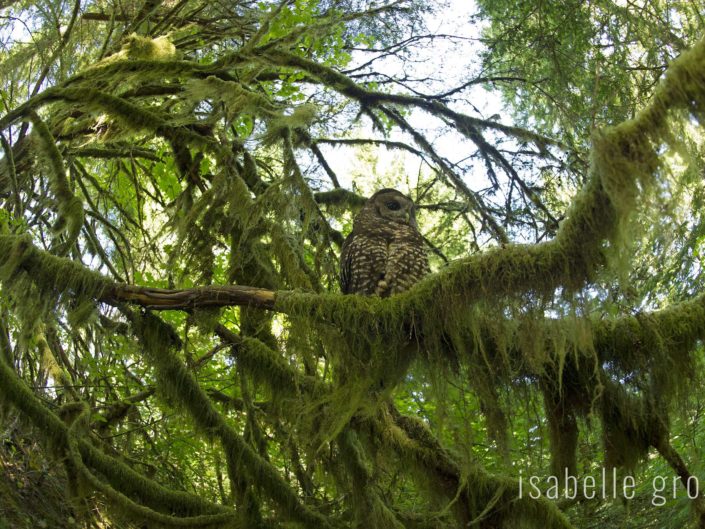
<point x="139" y="47"/>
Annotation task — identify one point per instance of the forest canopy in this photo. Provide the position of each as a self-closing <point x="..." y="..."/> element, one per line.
<point x="177" y="179"/>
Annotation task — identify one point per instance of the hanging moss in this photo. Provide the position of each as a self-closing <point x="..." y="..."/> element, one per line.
<point x="239" y="99"/>
<point x="138" y="69"/>
<point x="42" y="281"/>
<point x="568" y="353"/>
<point x="631" y="425"/>
<point x="131" y="116"/>
<point x="70" y="207"/>
<point x="281" y="126"/>
<point x="369" y="509"/>
<point x="51" y="274"/>
<point x="268" y="367"/>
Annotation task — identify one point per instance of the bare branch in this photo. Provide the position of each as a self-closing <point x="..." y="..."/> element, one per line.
<point x="192" y="298"/>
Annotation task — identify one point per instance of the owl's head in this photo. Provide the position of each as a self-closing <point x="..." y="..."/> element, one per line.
<point x="392" y="205"/>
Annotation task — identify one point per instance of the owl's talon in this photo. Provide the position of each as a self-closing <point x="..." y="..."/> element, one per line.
<point x="382" y="287"/>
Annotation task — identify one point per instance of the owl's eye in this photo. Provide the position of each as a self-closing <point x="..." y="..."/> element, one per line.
<point x="393" y="205"/>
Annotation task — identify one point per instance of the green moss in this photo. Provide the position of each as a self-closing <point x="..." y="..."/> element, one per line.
<point x="70" y="207"/>
<point x="238" y="98"/>
<point x="369" y="508"/>
<point x="121" y="502"/>
<point x="139" y="47"/>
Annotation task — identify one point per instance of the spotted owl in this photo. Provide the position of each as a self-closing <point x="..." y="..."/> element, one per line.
<point x="384" y="254"/>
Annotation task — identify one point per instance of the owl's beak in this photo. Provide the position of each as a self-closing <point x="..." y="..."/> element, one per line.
<point x="411" y="218"/>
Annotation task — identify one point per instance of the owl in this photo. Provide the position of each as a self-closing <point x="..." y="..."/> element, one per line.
<point x="384" y="254"/>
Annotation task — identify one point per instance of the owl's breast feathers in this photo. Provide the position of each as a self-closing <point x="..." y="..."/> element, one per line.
<point x="382" y="259"/>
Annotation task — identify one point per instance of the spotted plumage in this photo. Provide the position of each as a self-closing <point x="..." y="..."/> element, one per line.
<point x="384" y="254"/>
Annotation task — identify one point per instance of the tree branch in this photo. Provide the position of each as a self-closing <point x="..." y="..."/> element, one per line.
<point x="191" y="298"/>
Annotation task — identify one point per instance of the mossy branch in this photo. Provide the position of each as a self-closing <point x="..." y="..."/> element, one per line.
<point x="12" y="170"/>
<point x="175" y="379"/>
<point x="680" y="325"/>
<point x="340" y="197"/>
<point x="120" y="501"/>
<point x="120" y="476"/>
<point x="130" y="115"/>
<point x="477" y="498"/>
